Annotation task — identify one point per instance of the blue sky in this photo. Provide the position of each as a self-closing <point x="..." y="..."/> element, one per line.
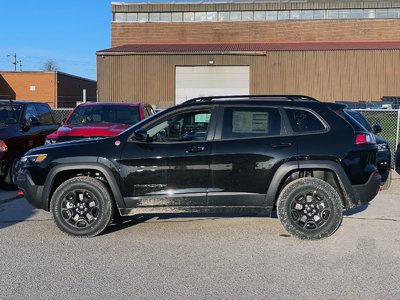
<point x="67" y="31"/>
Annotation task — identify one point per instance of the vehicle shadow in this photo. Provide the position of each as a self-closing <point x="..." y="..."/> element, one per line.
<point x="13" y="209"/>
<point x="122" y="223"/>
<point x="355" y="210"/>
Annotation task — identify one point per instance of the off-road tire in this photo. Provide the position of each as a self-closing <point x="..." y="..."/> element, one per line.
<point x="310" y="208"/>
<point x="82" y="206"/>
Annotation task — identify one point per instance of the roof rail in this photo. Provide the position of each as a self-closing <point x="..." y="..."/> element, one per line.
<point x="287" y="97"/>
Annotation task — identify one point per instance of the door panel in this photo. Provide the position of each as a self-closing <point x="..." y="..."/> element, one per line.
<point x="172" y="167"/>
<point x="252" y="145"/>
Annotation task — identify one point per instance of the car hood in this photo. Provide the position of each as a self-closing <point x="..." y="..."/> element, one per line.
<point x="90" y="130"/>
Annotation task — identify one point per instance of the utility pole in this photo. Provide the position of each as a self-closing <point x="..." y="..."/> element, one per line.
<point x="15" y="62"/>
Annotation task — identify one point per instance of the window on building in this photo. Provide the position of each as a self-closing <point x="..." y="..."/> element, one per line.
<point x="176" y="17"/>
<point x="165" y="17"/>
<point x="200" y="16"/>
<point x="283" y="15"/>
<point x="235" y="16"/>
<point x="307" y="15"/>
<point x="188" y="17"/>
<point x="247" y="16"/>
<point x="259" y="16"/>
<point x="319" y="14"/>
<point x="155" y="17"/>
<point x="143" y="17"/>
<point x="271" y="15"/>
<point x="212" y="16"/>
<point x="120" y="17"/>
<point x="131" y="17"/>
<point x="223" y="16"/>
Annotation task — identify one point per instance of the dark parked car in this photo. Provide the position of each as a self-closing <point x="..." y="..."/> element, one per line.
<point x="306" y="158"/>
<point x="99" y="119"/>
<point x="384" y="157"/>
<point x="23" y="125"/>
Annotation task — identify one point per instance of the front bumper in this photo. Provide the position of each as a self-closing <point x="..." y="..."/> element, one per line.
<point x="33" y="193"/>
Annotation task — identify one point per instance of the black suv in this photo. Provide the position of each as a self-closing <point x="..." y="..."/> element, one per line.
<point x="306" y="159"/>
<point x="23" y="125"/>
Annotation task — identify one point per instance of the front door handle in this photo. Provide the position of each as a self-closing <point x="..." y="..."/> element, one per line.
<point x="194" y="149"/>
<point x="281" y="145"/>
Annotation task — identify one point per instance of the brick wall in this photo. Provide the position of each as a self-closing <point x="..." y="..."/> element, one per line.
<point x="326" y="30"/>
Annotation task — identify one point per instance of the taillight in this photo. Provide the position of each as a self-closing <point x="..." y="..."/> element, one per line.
<point x="365" y="138"/>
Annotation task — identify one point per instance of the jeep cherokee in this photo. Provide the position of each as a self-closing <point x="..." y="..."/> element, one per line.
<point x="306" y="159"/>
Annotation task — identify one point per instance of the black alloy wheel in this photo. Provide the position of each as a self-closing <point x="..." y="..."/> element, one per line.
<point x="310" y="208"/>
<point x="82" y="206"/>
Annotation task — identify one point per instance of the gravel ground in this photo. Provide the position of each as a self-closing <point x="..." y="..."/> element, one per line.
<point x="201" y="257"/>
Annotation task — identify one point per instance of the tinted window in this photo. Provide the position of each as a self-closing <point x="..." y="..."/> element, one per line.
<point x="250" y="122"/>
<point x="9" y="114"/>
<point x="124" y="114"/>
<point x="360" y="119"/>
<point x="30" y="111"/>
<point x="44" y="112"/>
<point x="182" y="127"/>
<point x="303" y="121"/>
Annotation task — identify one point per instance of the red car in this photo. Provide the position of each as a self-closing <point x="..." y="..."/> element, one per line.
<point x="99" y="119"/>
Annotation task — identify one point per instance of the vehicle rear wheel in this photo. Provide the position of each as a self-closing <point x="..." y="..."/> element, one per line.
<point x="82" y="206"/>
<point x="310" y="208"/>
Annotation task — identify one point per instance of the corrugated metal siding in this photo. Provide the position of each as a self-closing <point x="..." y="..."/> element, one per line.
<point x="327" y="75"/>
<point x="157" y="7"/>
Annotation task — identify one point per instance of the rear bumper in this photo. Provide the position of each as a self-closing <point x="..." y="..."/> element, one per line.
<point x="33" y="193"/>
<point x="364" y="193"/>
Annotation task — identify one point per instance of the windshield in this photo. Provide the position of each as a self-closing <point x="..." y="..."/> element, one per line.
<point x="105" y="114"/>
<point x="10" y="114"/>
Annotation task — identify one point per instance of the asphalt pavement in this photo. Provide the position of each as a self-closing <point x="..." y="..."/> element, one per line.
<point x="201" y="257"/>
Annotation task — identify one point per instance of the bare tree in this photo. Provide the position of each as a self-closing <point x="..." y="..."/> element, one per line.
<point x="50" y="65"/>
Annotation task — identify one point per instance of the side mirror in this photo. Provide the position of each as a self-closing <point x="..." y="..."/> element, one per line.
<point x="377" y="128"/>
<point x="141" y="135"/>
<point x="33" y="121"/>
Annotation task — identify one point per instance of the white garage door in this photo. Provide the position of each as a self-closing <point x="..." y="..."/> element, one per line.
<point x="194" y="82"/>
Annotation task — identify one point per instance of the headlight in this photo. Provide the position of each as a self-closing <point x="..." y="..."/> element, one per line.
<point x="3" y="146"/>
<point x="33" y="159"/>
<point x="383" y="147"/>
<point x="48" y="141"/>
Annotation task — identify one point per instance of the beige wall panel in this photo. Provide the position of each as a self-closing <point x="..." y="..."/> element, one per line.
<point x="326" y="75"/>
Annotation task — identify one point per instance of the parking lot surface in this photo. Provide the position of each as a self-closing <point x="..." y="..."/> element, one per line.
<point x="201" y="257"/>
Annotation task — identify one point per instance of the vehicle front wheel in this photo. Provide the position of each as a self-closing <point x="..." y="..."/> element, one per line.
<point x="310" y="208"/>
<point x="82" y="206"/>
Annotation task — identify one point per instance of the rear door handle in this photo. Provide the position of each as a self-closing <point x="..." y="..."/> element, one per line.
<point x="281" y="145"/>
<point x="194" y="149"/>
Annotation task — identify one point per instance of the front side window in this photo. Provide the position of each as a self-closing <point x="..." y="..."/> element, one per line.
<point x="44" y="112"/>
<point x="30" y="112"/>
<point x="250" y="122"/>
<point x="189" y="126"/>
<point x="303" y="121"/>
<point x="10" y="114"/>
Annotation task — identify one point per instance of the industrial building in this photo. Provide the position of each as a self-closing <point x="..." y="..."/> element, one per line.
<point x="58" y="89"/>
<point x="165" y="53"/>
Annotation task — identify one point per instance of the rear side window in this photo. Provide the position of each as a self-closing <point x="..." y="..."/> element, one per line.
<point x="244" y="122"/>
<point x="44" y="114"/>
<point x="303" y="121"/>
